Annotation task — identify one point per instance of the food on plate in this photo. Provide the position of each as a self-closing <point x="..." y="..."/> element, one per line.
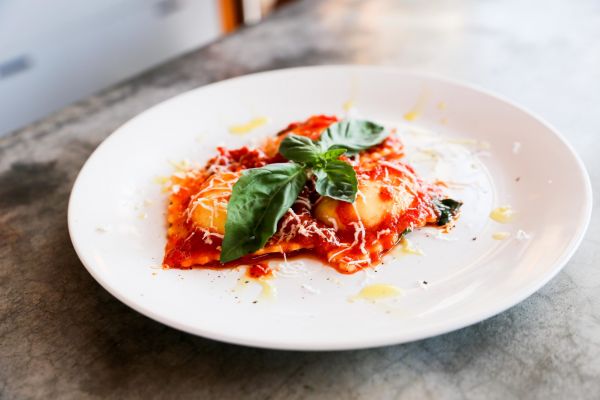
<point x="334" y="189"/>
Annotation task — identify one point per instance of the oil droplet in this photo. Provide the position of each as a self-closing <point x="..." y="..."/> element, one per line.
<point x="500" y="235"/>
<point x="269" y="292"/>
<point x="441" y="105"/>
<point x="249" y="126"/>
<point x="377" y="291"/>
<point x="180" y="166"/>
<point x="503" y="214"/>
<point x="412" y="115"/>
<point x="348" y="105"/>
<point x="161" y="180"/>
<point x="417" y="109"/>
<point x="407" y="248"/>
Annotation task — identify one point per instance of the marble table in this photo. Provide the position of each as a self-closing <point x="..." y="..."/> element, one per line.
<point x="63" y="336"/>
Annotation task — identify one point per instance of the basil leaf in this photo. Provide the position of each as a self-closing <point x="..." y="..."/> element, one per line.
<point x="258" y="200"/>
<point x="333" y="154"/>
<point x="337" y="180"/>
<point x="448" y="209"/>
<point x="299" y="149"/>
<point x="354" y="135"/>
<point x="263" y="195"/>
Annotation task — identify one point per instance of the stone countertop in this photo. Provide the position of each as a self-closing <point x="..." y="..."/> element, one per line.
<point x="63" y="336"/>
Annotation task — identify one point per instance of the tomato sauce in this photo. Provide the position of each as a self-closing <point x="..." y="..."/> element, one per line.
<point x="259" y="270"/>
<point x="348" y="248"/>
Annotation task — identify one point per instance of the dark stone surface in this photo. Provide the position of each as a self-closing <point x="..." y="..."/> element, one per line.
<point x="63" y="336"/>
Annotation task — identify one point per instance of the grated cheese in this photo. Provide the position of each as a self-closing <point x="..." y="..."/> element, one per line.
<point x="363" y="261"/>
<point x="522" y="235"/>
<point x="211" y="196"/>
<point x="383" y="232"/>
<point x="333" y="222"/>
<point x="516" y="148"/>
<point x="359" y="229"/>
<point x="303" y="201"/>
<point x="310" y="289"/>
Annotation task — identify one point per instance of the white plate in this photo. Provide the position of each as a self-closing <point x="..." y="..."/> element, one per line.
<point x="481" y="143"/>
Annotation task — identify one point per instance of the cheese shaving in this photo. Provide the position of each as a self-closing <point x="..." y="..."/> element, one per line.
<point x="310" y="289"/>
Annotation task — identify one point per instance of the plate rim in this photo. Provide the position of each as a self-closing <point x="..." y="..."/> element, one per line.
<point x="430" y="330"/>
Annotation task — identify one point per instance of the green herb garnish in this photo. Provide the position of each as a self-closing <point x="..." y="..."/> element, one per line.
<point x="263" y="195"/>
<point x="352" y="135"/>
<point x="259" y="199"/>
<point x="448" y="209"/>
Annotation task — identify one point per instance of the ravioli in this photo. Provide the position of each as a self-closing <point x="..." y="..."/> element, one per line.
<point x="377" y="200"/>
<point x="391" y="201"/>
<point x="208" y="207"/>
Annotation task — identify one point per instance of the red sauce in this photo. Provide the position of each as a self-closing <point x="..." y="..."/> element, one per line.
<point x="386" y="194"/>
<point x="312" y="127"/>
<point x="188" y="247"/>
<point x="259" y="270"/>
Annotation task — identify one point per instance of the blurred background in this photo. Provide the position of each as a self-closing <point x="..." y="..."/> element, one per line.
<point x="53" y="53"/>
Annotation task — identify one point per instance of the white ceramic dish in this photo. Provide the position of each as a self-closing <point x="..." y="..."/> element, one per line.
<point x="493" y="152"/>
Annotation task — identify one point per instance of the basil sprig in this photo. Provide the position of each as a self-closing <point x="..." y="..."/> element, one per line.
<point x="259" y="199"/>
<point x="263" y="195"/>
